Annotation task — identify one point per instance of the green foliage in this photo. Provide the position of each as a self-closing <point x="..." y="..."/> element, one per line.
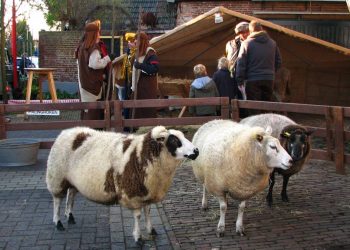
<point x="25" y="38"/>
<point x="57" y="9"/>
<point x="61" y="95"/>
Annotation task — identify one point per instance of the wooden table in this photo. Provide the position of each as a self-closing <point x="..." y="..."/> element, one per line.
<point x="42" y="72"/>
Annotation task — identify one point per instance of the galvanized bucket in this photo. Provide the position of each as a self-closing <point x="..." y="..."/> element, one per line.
<point x="18" y="152"/>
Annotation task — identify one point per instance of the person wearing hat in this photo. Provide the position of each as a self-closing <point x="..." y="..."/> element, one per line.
<point x="91" y="65"/>
<point x="232" y="50"/>
<point x="258" y="60"/>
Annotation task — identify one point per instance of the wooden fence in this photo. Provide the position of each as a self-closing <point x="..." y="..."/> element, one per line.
<point x="334" y="132"/>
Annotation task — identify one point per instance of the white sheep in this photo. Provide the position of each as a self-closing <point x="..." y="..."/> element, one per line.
<point x="294" y="138"/>
<point x="235" y="160"/>
<point x="113" y="168"/>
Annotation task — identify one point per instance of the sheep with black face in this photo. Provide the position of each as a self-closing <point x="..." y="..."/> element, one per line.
<point x="114" y="168"/>
<point x="293" y="137"/>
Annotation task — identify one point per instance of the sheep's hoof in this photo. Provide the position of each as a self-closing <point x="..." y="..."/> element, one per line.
<point x="285" y="198"/>
<point x="153" y="232"/>
<point x="241" y="233"/>
<point x="140" y="242"/>
<point x="71" y="220"/>
<point x="269" y="200"/>
<point x="220" y="234"/>
<point x="204" y="208"/>
<point x="59" y="226"/>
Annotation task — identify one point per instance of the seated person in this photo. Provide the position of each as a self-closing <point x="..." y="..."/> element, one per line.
<point x="202" y="86"/>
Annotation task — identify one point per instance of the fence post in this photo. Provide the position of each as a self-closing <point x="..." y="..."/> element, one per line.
<point x="235" y="110"/>
<point x="225" y="105"/>
<point x="329" y="132"/>
<point x="2" y="122"/>
<point x="338" y="114"/>
<point x="118" y="116"/>
<point x="107" y="116"/>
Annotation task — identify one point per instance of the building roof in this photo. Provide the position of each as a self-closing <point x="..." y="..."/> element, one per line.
<point x="201" y="40"/>
<point x="127" y="14"/>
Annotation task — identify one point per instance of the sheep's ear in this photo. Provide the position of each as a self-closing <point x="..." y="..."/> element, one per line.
<point x="159" y="133"/>
<point x="310" y="132"/>
<point x="268" y="130"/>
<point x="259" y="137"/>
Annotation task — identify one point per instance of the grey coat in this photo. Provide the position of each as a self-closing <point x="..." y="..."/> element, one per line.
<point x="200" y="88"/>
<point x="258" y="59"/>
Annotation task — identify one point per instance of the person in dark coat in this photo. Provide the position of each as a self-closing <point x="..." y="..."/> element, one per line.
<point x="202" y="86"/>
<point x="258" y="60"/>
<point x="223" y="80"/>
<point x="144" y="75"/>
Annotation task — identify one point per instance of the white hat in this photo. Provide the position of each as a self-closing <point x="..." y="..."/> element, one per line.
<point x="241" y="27"/>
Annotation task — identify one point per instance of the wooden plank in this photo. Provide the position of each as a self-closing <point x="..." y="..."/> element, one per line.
<point x="339" y="147"/>
<point x="161" y="103"/>
<point x="235" y="110"/>
<point x="347" y="158"/>
<point x="169" y="121"/>
<point x="54" y="106"/>
<point x="225" y="108"/>
<point x="347" y="135"/>
<point x="329" y="134"/>
<point x="118" y="116"/>
<point x="322" y="132"/>
<point x="57" y="125"/>
<point x="286" y="107"/>
<point x="107" y="116"/>
<point x="2" y="122"/>
<point x="319" y="154"/>
<point x="182" y="111"/>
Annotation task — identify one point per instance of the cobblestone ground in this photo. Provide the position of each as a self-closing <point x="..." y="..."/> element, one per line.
<point x="317" y="216"/>
<point x="26" y="217"/>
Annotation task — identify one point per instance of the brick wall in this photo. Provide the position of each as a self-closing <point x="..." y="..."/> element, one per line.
<point x="188" y="10"/>
<point x="57" y="51"/>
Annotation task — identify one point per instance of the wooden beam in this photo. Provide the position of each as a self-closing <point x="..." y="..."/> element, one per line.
<point x="190" y="36"/>
<point x="339" y="147"/>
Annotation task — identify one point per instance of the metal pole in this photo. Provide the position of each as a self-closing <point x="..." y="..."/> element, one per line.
<point x="2" y="61"/>
<point x="14" y="46"/>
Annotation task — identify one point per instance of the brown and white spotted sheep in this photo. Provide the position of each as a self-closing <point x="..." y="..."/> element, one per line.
<point x="114" y="168"/>
<point x="294" y="138"/>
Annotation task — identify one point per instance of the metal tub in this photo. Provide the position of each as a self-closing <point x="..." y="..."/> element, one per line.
<point x="18" y="152"/>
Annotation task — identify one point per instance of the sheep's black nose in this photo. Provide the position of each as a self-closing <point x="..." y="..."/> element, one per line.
<point x="194" y="155"/>
<point x="291" y="161"/>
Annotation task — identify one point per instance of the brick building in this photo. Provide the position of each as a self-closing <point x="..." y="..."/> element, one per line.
<point x="326" y="19"/>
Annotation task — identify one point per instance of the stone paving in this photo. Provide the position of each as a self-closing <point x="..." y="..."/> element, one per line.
<point x="26" y="217"/>
<point x="317" y="216"/>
